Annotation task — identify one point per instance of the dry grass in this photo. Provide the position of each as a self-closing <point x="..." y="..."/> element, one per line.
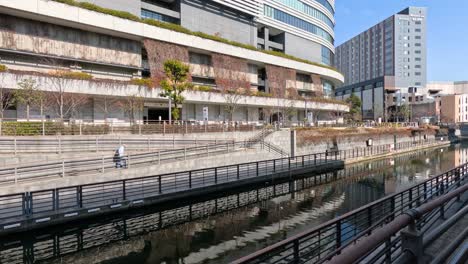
<point x="316" y="135"/>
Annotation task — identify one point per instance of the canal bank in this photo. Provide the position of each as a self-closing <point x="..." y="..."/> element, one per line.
<point x="32" y="210"/>
<point x="218" y="230"/>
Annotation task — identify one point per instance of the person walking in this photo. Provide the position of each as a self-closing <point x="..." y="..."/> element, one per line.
<point x="120" y="161"/>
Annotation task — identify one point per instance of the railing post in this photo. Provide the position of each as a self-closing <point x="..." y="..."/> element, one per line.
<point x="338" y="236"/>
<point x="315" y="159"/>
<point x="185" y="153"/>
<point x="124" y="191"/>
<point x="274" y="165"/>
<point x="97" y="144"/>
<point x="190" y="179"/>
<point x="15" y="146"/>
<point x="59" y="145"/>
<point x="216" y="175"/>
<point x="16" y="173"/>
<point x="159" y="157"/>
<point x="128" y="161"/>
<point x="103" y="164"/>
<point x="296" y="251"/>
<point x="63" y="167"/>
<point x="80" y="129"/>
<point x="412" y="241"/>
<point x="257" y="168"/>
<point x="164" y="128"/>
<point x="159" y="184"/>
<point x="238" y="172"/>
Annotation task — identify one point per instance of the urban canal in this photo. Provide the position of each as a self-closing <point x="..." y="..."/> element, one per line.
<point x="221" y="229"/>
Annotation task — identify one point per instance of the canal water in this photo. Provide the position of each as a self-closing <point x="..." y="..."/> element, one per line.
<point x="221" y="229"/>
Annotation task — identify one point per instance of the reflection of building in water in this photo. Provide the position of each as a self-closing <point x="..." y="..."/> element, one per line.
<point x="461" y="156"/>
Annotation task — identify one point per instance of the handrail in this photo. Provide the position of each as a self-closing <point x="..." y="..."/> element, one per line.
<point x="404" y="195"/>
<point x="367" y="244"/>
<point x="62" y="168"/>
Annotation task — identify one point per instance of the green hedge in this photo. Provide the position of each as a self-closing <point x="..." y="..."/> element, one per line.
<point x="3" y="68"/>
<point x="13" y="128"/>
<point x="178" y="28"/>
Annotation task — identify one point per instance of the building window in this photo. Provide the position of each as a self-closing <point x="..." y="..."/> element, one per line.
<point x="297" y="22"/>
<point x="417" y="66"/>
<point x="417" y="73"/>
<point x="417" y="37"/>
<point x="417" y="44"/>
<point x="417" y="51"/>
<point x="328" y="88"/>
<point x="307" y="9"/>
<point x="327" y="56"/>
<point x="156" y="16"/>
<point x="418" y="30"/>
<point x="417" y="59"/>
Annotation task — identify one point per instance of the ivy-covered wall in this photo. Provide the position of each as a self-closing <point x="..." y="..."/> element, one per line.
<point x="20" y="34"/>
<point x="280" y="80"/>
<point x="230" y="73"/>
<point x="159" y="52"/>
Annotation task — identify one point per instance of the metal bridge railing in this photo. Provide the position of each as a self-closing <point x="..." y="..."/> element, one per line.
<point x="327" y="240"/>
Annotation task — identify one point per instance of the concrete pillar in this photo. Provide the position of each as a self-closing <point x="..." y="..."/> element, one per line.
<point x="266" y="35"/>
<point x="293" y="144"/>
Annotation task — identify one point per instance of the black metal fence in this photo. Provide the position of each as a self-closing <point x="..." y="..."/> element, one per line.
<point x="327" y="240"/>
<point x="46" y="205"/>
<point x="39" y="247"/>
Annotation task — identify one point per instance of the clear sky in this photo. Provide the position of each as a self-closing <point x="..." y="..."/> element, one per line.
<point x="447" y="36"/>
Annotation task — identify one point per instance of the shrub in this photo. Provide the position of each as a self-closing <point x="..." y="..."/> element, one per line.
<point x="14" y="128"/>
<point x="143" y="82"/>
<point x="263" y="94"/>
<point x="73" y="75"/>
<point x="203" y="88"/>
<point x="178" y="28"/>
<point x="3" y="68"/>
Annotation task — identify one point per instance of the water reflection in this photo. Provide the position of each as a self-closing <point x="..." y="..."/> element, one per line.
<point x="222" y="229"/>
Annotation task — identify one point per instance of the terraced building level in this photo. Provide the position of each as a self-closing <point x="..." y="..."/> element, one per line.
<point x="278" y="54"/>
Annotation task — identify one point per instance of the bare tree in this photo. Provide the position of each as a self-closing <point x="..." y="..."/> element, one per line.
<point x="133" y="105"/>
<point x="232" y="98"/>
<point x="108" y="102"/>
<point x="65" y="104"/>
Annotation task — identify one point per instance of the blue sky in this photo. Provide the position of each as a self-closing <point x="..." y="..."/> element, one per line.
<point x="447" y="30"/>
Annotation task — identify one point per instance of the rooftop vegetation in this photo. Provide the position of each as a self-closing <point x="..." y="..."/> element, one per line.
<point x="178" y="28"/>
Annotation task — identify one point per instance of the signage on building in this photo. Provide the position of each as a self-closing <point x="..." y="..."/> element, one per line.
<point x="310" y="116"/>
<point x="205" y="113"/>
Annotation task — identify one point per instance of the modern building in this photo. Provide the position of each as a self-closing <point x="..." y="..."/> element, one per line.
<point x="386" y="64"/>
<point x="281" y="52"/>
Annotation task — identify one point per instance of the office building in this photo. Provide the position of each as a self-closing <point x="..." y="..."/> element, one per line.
<point x="385" y="66"/>
<point x="269" y="49"/>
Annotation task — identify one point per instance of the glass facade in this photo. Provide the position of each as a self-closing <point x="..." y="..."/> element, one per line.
<point x="297" y="22"/>
<point x="156" y="16"/>
<point x="328" y="89"/>
<point x="326" y="4"/>
<point x="307" y="9"/>
<point x="328" y="57"/>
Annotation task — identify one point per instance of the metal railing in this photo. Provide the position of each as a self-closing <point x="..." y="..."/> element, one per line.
<point x="109" y="195"/>
<point x="98" y="144"/>
<point x="89" y="166"/>
<point x="372" y="249"/>
<point x="38" y="247"/>
<point x="77" y="200"/>
<point x="36" y="127"/>
<point x="321" y="243"/>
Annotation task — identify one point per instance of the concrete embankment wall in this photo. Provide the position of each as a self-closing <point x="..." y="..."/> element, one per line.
<point x="52" y="148"/>
<point x="250" y="155"/>
<point x="319" y="143"/>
